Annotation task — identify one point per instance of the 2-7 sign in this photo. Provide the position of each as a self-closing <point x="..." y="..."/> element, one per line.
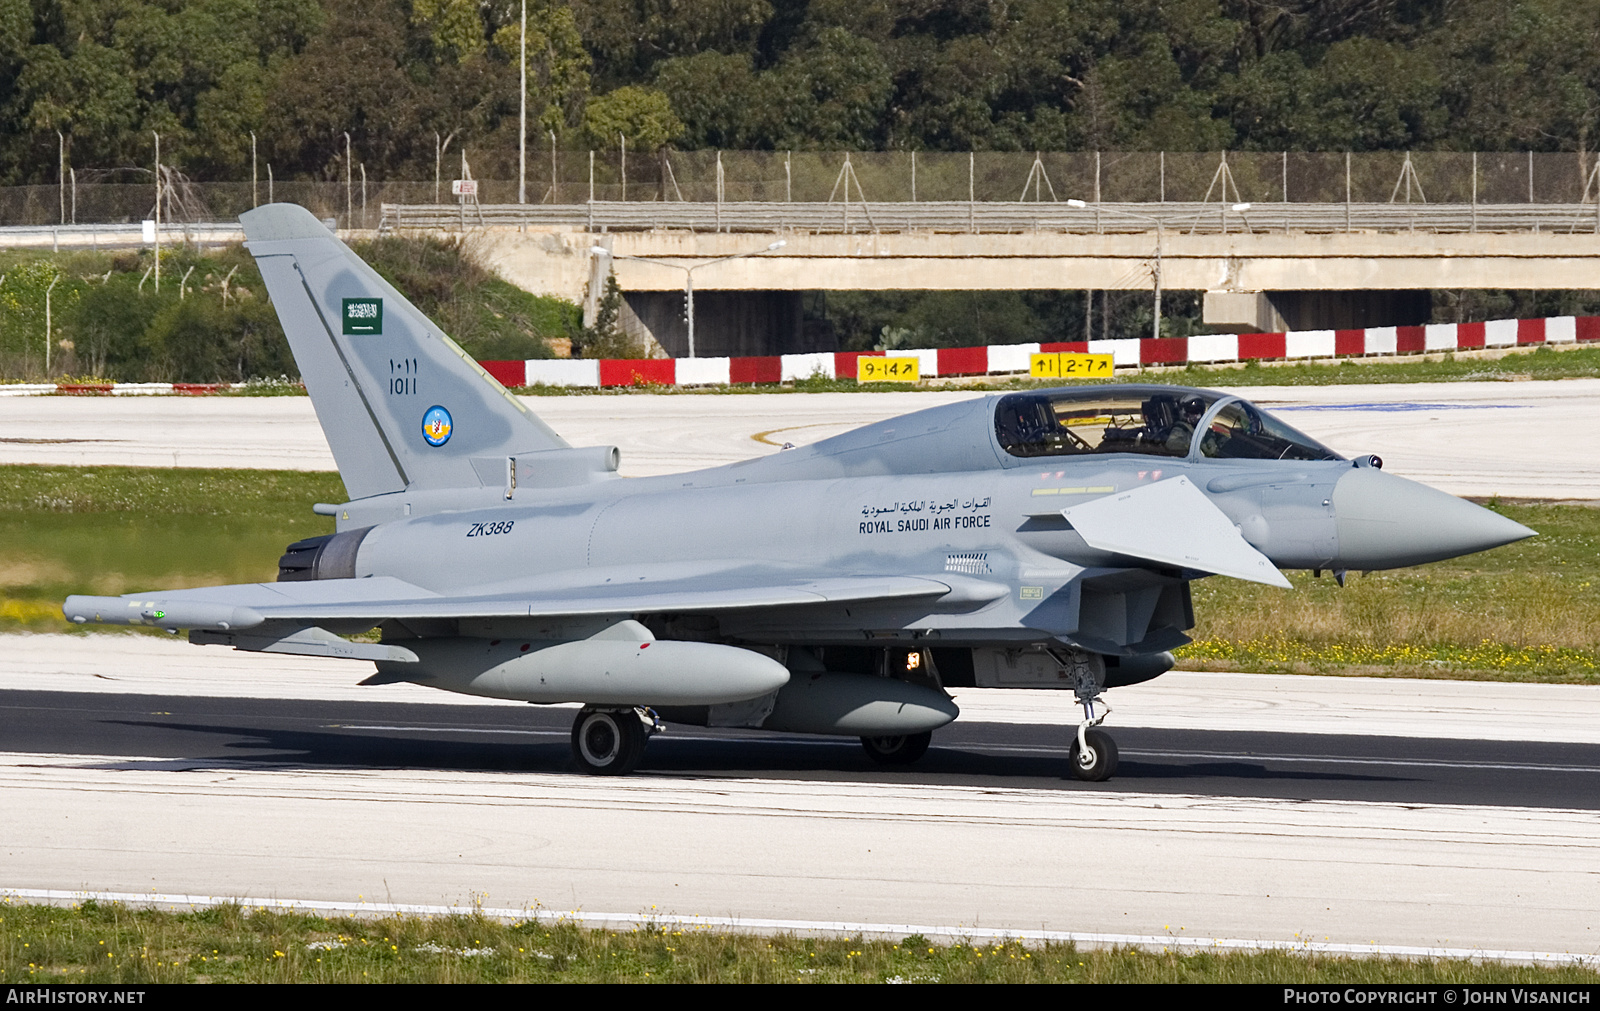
<point x="875" y="369"/>
<point x="1069" y="365"/>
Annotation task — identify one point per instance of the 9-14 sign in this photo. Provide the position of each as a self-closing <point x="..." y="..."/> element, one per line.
<point x="876" y="369"/>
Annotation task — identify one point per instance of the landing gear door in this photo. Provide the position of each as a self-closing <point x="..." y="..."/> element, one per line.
<point x="1016" y="668"/>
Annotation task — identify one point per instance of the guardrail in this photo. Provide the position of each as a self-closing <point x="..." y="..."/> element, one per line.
<point x="854" y="218"/>
<point x="999" y="217"/>
<point x="205" y="233"/>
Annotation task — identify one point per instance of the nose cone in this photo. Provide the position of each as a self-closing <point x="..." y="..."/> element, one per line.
<point x="1385" y="522"/>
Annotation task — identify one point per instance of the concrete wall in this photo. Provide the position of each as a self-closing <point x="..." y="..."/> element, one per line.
<point x="1276" y="311"/>
<point x="1254" y="282"/>
<point x="553" y="262"/>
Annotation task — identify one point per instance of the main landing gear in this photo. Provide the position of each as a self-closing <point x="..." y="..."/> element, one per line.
<point x="610" y="742"/>
<point x="902" y="749"/>
<point x="1094" y="753"/>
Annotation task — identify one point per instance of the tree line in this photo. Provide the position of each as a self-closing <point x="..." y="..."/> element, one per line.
<point x="412" y="81"/>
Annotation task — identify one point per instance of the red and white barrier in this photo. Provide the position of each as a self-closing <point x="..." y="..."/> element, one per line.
<point x="111" y="389"/>
<point x="1002" y="359"/>
<point x="997" y="359"/>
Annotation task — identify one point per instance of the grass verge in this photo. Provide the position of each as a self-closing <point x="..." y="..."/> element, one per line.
<point x="1528" y="611"/>
<point x="112" y="944"/>
<point x="111" y="530"/>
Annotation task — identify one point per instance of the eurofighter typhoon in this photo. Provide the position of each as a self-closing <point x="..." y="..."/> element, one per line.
<point x="1041" y="539"/>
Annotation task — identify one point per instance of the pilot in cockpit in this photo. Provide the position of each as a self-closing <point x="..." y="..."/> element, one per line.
<point x="1181" y="434"/>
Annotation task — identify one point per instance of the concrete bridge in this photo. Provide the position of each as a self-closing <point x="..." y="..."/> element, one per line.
<point x="1264" y="267"/>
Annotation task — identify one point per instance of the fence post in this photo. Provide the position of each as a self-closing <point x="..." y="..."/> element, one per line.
<point x="349" y="195"/>
<point x="158" y="210"/>
<point x="1474" y="191"/>
<point x="972" y="193"/>
<point x="1347" y="191"/>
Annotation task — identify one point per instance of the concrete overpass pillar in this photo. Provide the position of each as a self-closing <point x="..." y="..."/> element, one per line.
<point x="726" y="323"/>
<point x="1275" y="311"/>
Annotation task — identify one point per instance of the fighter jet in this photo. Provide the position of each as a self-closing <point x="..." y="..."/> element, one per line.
<point x="1038" y="539"/>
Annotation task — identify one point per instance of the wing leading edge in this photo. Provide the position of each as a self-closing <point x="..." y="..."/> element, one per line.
<point x="249" y="605"/>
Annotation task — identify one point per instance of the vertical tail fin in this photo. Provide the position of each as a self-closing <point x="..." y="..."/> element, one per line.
<point x="402" y="405"/>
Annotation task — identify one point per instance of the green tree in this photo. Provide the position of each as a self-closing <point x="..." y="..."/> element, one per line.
<point x="22" y="313"/>
<point x="454" y="26"/>
<point x="715" y="94"/>
<point x="629" y="37"/>
<point x="558" y="64"/>
<point x="643" y="115"/>
<point x="832" y="94"/>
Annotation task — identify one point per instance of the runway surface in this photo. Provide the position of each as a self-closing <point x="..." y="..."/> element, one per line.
<point x="1246" y="805"/>
<point x="1528" y="439"/>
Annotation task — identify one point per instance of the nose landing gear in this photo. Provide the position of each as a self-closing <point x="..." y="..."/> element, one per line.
<point x="1094" y="753"/>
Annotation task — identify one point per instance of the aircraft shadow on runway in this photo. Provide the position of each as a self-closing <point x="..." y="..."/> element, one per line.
<point x="200" y="732"/>
<point x="1189" y="762"/>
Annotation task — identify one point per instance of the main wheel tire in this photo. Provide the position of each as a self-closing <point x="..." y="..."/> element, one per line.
<point x="1098" y="763"/>
<point x="897" y="750"/>
<point x="607" y="742"/>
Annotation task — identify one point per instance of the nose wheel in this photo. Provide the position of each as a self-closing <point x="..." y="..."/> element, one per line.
<point x="1094" y="756"/>
<point x="610" y="742"/>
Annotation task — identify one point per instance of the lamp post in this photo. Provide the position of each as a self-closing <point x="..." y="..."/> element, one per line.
<point x="522" y="112"/>
<point x="688" y="274"/>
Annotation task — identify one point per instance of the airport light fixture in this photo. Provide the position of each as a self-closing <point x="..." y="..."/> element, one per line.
<point x="1155" y="273"/>
<point x="522" y="112"/>
<point x="688" y="274"/>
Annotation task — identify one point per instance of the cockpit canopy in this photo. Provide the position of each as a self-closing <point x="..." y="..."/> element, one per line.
<point x="1161" y="422"/>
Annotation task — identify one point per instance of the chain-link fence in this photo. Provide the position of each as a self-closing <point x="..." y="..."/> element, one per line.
<point x="578" y="177"/>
